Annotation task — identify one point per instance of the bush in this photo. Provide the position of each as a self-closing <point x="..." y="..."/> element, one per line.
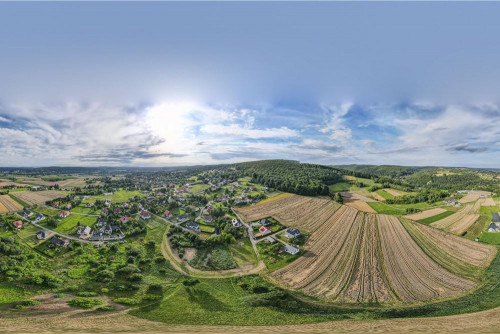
<point x="85" y="302"/>
<point x="104" y="290"/>
<point x="105" y="308"/>
<point x="126" y="301"/>
<point x="151" y="297"/>
<point x="190" y="282"/>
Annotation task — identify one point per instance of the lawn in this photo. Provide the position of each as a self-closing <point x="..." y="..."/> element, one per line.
<point x="83" y="209"/>
<point x="492" y="238"/>
<point x="272" y="261"/>
<point x="28" y="235"/>
<point x="68" y="224"/>
<point x="435" y="218"/>
<point x="46" y="211"/>
<point x="243" y="253"/>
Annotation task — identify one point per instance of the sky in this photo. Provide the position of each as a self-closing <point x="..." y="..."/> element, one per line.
<point x="183" y="83"/>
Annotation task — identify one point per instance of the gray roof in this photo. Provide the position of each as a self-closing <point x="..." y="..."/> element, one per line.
<point x="495" y="217"/>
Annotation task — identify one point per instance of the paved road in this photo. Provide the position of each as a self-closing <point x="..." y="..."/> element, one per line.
<point x="250" y="234"/>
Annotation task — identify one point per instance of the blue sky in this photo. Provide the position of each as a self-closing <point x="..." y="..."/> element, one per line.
<point x="162" y="84"/>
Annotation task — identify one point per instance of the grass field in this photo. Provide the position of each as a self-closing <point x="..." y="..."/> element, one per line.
<point x="386" y="208"/>
<point x="120" y="196"/>
<point x="69" y="223"/>
<point x="199" y="187"/>
<point x="219" y="301"/>
<point x="28" y="235"/>
<point x="243" y="253"/>
<point x="436" y="217"/>
<point x="384" y="194"/>
<point x="46" y="211"/>
<point x="340" y="186"/>
<point x="492" y="238"/>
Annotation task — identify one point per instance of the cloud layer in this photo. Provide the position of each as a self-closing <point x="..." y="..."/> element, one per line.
<point x="177" y="133"/>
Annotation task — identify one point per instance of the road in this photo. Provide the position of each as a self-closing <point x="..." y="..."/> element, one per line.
<point x="250" y="234"/>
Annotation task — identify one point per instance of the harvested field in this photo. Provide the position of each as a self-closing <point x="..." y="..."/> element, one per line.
<point x="413" y="275"/>
<point x="323" y="247"/>
<point x="10" y="204"/>
<point x="377" y="197"/>
<point x="10" y="183"/>
<point x="3" y="209"/>
<point x="368" y="283"/>
<point x="473" y="196"/>
<point x="38" y="197"/>
<point x="489" y="202"/>
<point x="353" y="196"/>
<point x="349" y="178"/>
<point x="395" y="192"/>
<point x="460" y="221"/>
<point x="469" y="251"/>
<point x="425" y="214"/>
<point x="306" y="213"/>
<point x="361" y="206"/>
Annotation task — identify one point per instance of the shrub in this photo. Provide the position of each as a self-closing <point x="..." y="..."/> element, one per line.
<point x="86" y="294"/>
<point x="85" y="302"/>
<point x="105" y="308"/>
<point x="104" y="290"/>
<point x="151" y="297"/>
<point x="190" y="282"/>
<point x="126" y="301"/>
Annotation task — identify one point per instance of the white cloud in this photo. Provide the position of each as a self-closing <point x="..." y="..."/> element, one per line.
<point x="335" y="125"/>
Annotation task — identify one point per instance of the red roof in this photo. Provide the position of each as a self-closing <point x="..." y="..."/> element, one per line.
<point x="18" y="224"/>
<point x="167" y="213"/>
<point x="144" y="213"/>
<point x="263" y="229"/>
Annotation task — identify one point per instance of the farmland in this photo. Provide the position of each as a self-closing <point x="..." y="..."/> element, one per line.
<point x="9" y="204"/>
<point x="390" y="267"/>
<point x="460" y="221"/>
<point x="425" y="214"/>
<point x="302" y="212"/>
<point x="38" y="197"/>
<point x="473" y="196"/>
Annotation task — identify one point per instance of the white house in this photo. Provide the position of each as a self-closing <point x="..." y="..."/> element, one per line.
<point x="291" y="249"/>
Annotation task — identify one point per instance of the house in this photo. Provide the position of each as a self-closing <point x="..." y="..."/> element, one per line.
<point x="38" y="217"/>
<point x="495" y="217"/>
<point x="207" y="211"/>
<point x="17" y="225"/>
<point x="83" y="231"/>
<point x="494" y="227"/>
<point x="207" y="219"/>
<point x="96" y="235"/>
<point x="69" y="207"/>
<point x="41" y="235"/>
<point x="59" y="242"/>
<point x="89" y="205"/>
<point x="167" y="214"/>
<point x="124" y="220"/>
<point x="55" y="204"/>
<point x="109" y="229"/>
<point x="270" y="239"/>
<point x="104" y="211"/>
<point x="263" y="230"/>
<point x="193" y="227"/>
<point x="292" y="233"/>
<point x="145" y="214"/>
<point x="182" y="218"/>
<point x="118" y="211"/>
<point x="125" y="205"/>
<point x="265" y="222"/>
<point x="291" y="249"/>
<point x="102" y="221"/>
<point x="236" y="222"/>
<point x="64" y="214"/>
<point x="27" y="213"/>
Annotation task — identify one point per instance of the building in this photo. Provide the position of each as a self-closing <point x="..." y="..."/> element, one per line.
<point x="17" y="225"/>
<point x="102" y="221"/>
<point x="494" y="227"/>
<point x="182" y="218"/>
<point x="292" y="233"/>
<point x="167" y="214"/>
<point x="207" y="219"/>
<point x="27" y="213"/>
<point x="270" y="239"/>
<point x="291" y="249"/>
<point x="89" y="205"/>
<point x="124" y="220"/>
<point x="64" y="214"/>
<point x="59" y="242"/>
<point x="265" y="222"/>
<point x="38" y="217"/>
<point x="495" y="217"/>
<point x="192" y="226"/>
<point x="41" y="235"/>
<point x="83" y="231"/>
<point x="145" y="215"/>
<point x="236" y="222"/>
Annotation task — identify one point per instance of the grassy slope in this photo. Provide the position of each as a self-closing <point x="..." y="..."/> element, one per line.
<point x="11" y="294"/>
<point x="442" y="258"/>
<point x="243" y="253"/>
<point x="69" y="223"/>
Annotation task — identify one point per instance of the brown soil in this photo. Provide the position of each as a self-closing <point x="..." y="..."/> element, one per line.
<point x="425" y="214"/>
